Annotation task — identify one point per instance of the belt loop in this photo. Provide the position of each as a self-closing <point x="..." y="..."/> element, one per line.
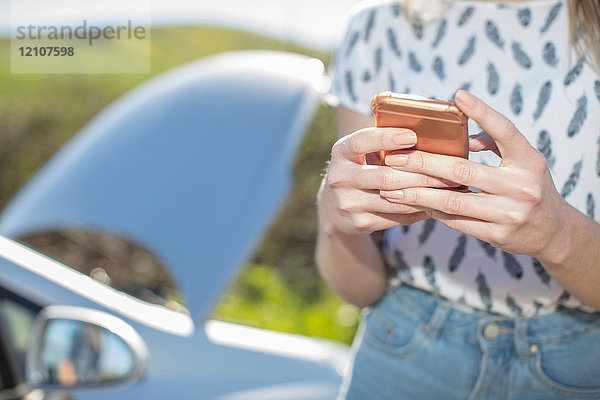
<point x="520" y="338"/>
<point x="437" y="320"/>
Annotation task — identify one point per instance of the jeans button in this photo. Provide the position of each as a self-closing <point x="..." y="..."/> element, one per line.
<point x="491" y="331"/>
<point x="533" y="349"/>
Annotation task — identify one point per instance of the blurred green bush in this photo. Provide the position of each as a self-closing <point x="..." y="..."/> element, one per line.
<point x="280" y="288"/>
<point x="262" y="297"/>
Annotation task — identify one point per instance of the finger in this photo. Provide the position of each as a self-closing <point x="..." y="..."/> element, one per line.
<point x="451" y="169"/>
<point x="386" y="178"/>
<point x="369" y="140"/>
<point x="369" y="201"/>
<point x="510" y="142"/>
<point x="469" y="226"/>
<point x="474" y="205"/>
<point x="482" y="141"/>
<point x="381" y="221"/>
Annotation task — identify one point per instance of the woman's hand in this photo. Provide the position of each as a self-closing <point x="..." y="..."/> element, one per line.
<point x="519" y="209"/>
<point x="349" y="200"/>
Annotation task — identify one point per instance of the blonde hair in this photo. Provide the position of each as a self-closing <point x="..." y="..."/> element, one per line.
<point x="584" y="25"/>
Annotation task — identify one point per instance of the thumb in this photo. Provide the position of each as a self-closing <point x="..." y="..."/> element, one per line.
<point x="482" y="141"/>
<point x="510" y="142"/>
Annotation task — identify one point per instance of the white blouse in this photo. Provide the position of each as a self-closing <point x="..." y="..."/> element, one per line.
<point x="517" y="58"/>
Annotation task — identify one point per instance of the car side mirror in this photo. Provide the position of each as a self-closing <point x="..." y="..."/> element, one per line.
<point x="74" y="347"/>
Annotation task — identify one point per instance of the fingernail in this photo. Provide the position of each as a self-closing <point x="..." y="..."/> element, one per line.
<point x="393" y="195"/>
<point x="464" y="98"/>
<point x="396" y="160"/>
<point x="405" y="138"/>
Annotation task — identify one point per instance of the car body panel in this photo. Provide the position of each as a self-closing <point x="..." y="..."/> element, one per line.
<point x="201" y="365"/>
<point x="192" y="165"/>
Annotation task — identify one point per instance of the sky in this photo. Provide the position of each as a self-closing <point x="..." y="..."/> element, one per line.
<point x="315" y="23"/>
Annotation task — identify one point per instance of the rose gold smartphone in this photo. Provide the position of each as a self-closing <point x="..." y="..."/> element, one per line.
<point x="440" y="126"/>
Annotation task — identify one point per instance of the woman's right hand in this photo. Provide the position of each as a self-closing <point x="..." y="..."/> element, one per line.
<point x="349" y="199"/>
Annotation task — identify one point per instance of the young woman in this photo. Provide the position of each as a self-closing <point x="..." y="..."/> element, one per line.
<point x="492" y="293"/>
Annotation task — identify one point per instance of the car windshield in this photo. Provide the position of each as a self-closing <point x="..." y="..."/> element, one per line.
<point x="116" y="262"/>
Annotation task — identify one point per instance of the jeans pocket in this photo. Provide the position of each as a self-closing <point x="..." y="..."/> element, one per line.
<point x="397" y="336"/>
<point x="570" y="367"/>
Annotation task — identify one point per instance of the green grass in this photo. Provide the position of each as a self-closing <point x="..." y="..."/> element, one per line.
<point x="261" y="297"/>
<point x="280" y="288"/>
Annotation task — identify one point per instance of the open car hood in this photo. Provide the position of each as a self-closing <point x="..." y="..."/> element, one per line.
<point x="192" y="165"/>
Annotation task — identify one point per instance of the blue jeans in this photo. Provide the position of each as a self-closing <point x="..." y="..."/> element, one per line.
<point x="412" y="345"/>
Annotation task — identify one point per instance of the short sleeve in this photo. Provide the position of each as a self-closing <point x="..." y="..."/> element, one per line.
<point x="357" y="62"/>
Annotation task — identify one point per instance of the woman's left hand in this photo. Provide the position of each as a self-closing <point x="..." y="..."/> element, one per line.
<point x="519" y="209"/>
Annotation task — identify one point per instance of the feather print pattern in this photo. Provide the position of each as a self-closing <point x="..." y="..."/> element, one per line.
<point x="573" y="179"/>
<point x="574" y="73"/>
<point x="513" y="306"/>
<point x="378" y="59"/>
<point x="350" y="86"/>
<point x="438" y="68"/>
<point x="598" y="159"/>
<point x="393" y="43"/>
<point x="466" y="16"/>
<point x="370" y="25"/>
<point x="418" y="31"/>
<point x="543" y="99"/>
<point x="544" y="145"/>
<point x="352" y="43"/>
<point x="551" y="17"/>
<point x="484" y="291"/>
<point x="516" y="99"/>
<point x="466" y="86"/>
<point x="524" y="16"/>
<point x="488" y="248"/>
<point x="414" y="63"/>
<point x="493" y="33"/>
<point x="427" y="229"/>
<point x="512" y="266"/>
<point x="549" y="54"/>
<point x="541" y="271"/>
<point x="429" y="269"/>
<point x="402" y="266"/>
<point x="366" y="76"/>
<point x="579" y="117"/>
<point x="493" y="79"/>
<point x="441" y="31"/>
<point x="520" y="56"/>
<point x="468" y="52"/>
<point x="458" y="254"/>
<point x="564" y="297"/>
<point x="590" y="205"/>
<point x="518" y="59"/>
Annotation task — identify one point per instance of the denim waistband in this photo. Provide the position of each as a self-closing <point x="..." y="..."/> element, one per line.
<point x="445" y="314"/>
